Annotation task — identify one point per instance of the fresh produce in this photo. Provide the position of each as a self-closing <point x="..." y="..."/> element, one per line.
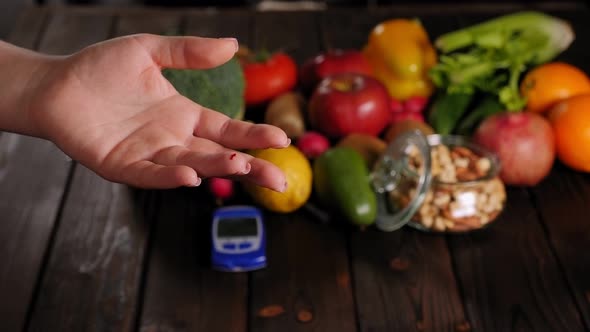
<point x="313" y="144"/>
<point x="447" y="109"/>
<point x="221" y="188"/>
<point x="400" y="53"/>
<point x="333" y="62"/>
<point x="359" y="101"/>
<point x="341" y="180"/>
<point x="369" y="147"/>
<point x="410" y="109"/>
<point x="398" y="128"/>
<point x="486" y="107"/>
<point x="491" y="56"/>
<point x="220" y="89"/>
<point x="406" y="115"/>
<point x="550" y="83"/>
<point x="415" y="104"/>
<point x="286" y="112"/>
<point x="349" y="103"/>
<point x="298" y="172"/>
<point x="524" y="143"/>
<point x="570" y="119"/>
<point x="267" y="76"/>
<point x="396" y="106"/>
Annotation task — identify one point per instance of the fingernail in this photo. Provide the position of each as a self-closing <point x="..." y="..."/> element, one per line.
<point x="284" y="187"/>
<point x="248" y="168"/>
<point x="196" y="183"/>
<point x="288" y="142"/>
<point x="235" y="41"/>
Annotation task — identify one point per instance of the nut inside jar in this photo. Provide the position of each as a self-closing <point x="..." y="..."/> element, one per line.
<point x="465" y="193"/>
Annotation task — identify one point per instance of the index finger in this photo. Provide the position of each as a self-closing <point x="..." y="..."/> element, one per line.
<point x="236" y="134"/>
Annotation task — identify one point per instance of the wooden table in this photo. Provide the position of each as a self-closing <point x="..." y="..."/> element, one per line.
<point x="79" y="253"/>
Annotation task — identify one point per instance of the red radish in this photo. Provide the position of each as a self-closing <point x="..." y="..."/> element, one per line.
<point x="415" y="104"/>
<point x="524" y="143"/>
<point x="221" y="188"/>
<point x="396" y="106"/>
<point x="313" y="144"/>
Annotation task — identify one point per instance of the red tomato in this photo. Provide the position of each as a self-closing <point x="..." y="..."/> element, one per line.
<point x="268" y="78"/>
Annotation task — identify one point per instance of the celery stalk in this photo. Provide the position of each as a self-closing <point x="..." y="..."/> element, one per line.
<point x="492" y="55"/>
<point x="559" y="32"/>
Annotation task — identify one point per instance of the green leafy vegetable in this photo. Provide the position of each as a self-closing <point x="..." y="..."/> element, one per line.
<point x="220" y="88"/>
<point x="491" y="56"/>
<point x="447" y="109"/>
<point x="488" y="106"/>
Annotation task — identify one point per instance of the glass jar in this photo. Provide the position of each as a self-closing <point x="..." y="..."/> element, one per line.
<point x="437" y="183"/>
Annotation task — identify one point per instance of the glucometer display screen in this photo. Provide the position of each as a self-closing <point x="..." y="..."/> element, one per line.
<point x="237" y="227"/>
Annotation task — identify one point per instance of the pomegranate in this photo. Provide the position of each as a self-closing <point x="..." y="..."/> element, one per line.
<point x="524" y="143"/>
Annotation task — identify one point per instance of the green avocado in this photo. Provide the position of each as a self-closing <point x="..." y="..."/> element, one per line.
<point x="220" y="88"/>
<point x="341" y="181"/>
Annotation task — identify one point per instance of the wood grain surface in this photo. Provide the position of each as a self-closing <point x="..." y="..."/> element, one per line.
<point x="79" y="253"/>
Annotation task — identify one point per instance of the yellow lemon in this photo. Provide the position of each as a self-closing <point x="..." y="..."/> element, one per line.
<point x="298" y="171"/>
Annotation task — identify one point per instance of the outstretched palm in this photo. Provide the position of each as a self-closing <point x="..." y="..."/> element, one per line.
<point x="110" y="108"/>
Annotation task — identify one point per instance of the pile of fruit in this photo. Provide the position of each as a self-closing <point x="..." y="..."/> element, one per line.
<point x="496" y="82"/>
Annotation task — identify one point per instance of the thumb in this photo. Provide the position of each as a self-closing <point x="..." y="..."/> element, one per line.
<point x="189" y="52"/>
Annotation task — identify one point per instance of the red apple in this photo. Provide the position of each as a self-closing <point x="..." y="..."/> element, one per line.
<point x="349" y="103"/>
<point x="333" y="62"/>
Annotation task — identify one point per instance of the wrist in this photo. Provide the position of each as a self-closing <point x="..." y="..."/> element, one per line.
<point x="23" y="73"/>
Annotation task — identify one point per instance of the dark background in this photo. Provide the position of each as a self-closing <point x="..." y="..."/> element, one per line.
<point x="10" y="9"/>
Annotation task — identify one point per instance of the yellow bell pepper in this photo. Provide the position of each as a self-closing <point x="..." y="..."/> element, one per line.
<point x="401" y="54"/>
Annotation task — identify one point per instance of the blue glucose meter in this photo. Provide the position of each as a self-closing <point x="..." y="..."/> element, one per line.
<point x="238" y="239"/>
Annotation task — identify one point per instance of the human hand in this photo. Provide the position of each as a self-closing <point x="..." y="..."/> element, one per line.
<point x="109" y="107"/>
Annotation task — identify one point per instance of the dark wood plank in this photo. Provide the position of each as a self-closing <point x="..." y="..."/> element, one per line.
<point x="94" y="273"/>
<point x="182" y="292"/>
<point x="68" y="32"/>
<point x="308" y="273"/>
<point x="147" y="22"/>
<point x="563" y="197"/>
<point x="29" y="27"/>
<point x="563" y="203"/>
<point x="33" y="176"/>
<point x="93" y="276"/>
<point x="296" y="33"/>
<point x="219" y="24"/>
<point x="403" y="280"/>
<point x="32" y="181"/>
<point x="509" y="276"/>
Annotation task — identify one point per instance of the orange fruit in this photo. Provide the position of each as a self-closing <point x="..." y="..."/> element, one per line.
<point x="550" y="83"/>
<point x="570" y="119"/>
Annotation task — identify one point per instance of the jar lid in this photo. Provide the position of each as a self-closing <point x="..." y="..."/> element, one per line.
<point x="392" y="176"/>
